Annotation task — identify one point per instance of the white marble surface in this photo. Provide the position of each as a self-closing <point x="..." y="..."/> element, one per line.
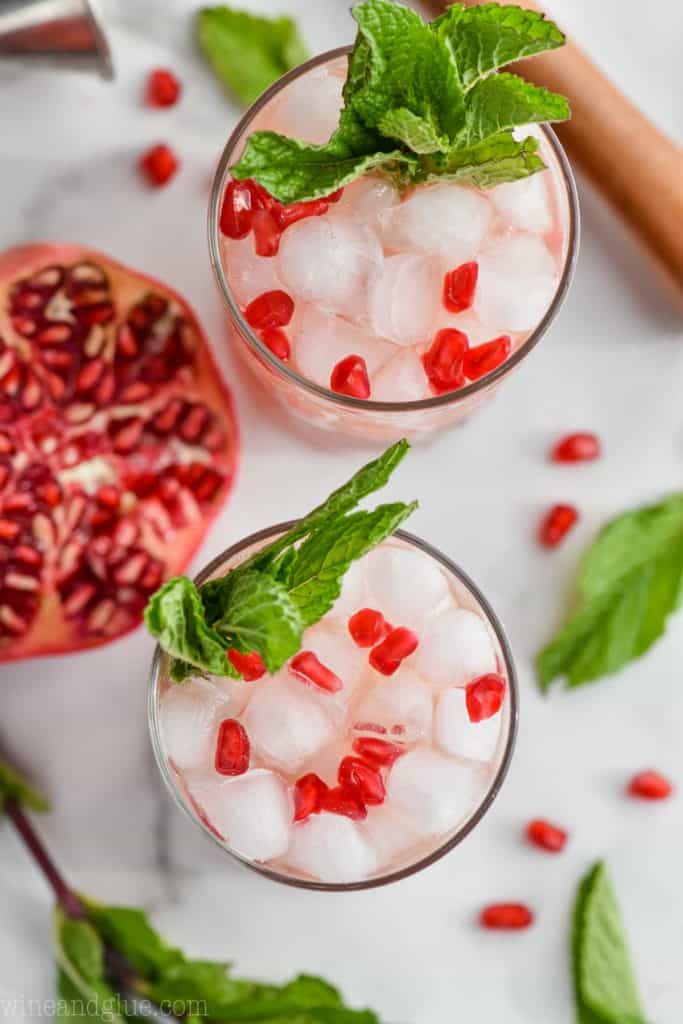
<point x="613" y="363"/>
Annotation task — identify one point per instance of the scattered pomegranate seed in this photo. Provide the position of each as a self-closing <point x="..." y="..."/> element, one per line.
<point x="484" y="696"/>
<point x="306" y="666"/>
<point x="506" y="916"/>
<point x="232" y="748"/>
<point x="546" y="836"/>
<point x="556" y="524"/>
<point x="367" y="780"/>
<point x="271" y="309"/>
<point x="377" y="752"/>
<point x="443" y="360"/>
<point x="346" y="800"/>
<point x="650" y="785"/>
<point x="163" y="88"/>
<point x="250" y="666"/>
<point x="277" y="341"/>
<point x="388" y="655"/>
<point x="159" y="164"/>
<point x="266" y="233"/>
<point x="577" y="448"/>
<point x="459" y="285"/>
<point x="368" y="627"/>
<point x="350" y="377"/>
<point x="485" y="358"/>
<point x="309" y="792"/>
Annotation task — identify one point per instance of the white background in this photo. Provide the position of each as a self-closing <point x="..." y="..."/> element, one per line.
<point x="613" y="363"/>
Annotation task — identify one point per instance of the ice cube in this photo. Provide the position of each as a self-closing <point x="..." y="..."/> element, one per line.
<point x="189" y="716"/>
<point x="321" y="340"/>
<point x="516" y="283"/>
<point x="236" y="692"/>
<point x="398" y="707"/>
<point x="252" y="812"/>
<point x="353" y="595"/>
<point x="437" y="793"/>
<point x="390" y="833"/>
<point x="328" y="261"/>
<point x="525" y="203"/>
<point x="455" y="647"/>
<point x="406" y="585"/>
<point x="331" y="848"/>
<point x="368" y="199"/>
<point x="285" y="722"/>
<point x="249" y="275"/>
<point x="401" y="379"/>
<point x="404" y="297"/>
<point x="456" y="734"/>
<point x="448" y="221"/>
<point x="309" y="107"/>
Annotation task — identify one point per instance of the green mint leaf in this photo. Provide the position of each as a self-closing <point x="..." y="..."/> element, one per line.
<point x="497" y="159"/>
<point x="14" y="787"/>
<point x="248" y="53"/>
<point x="259" y="615"/>
<point x="505" y="101"/>
<point x="80" y="961"/>
<point x="604" y="984"/>
<point x="175" y="616"/>
<point x="128" y="930"/>
<point x="631" y="581"/>
<point x="417" y="133"/>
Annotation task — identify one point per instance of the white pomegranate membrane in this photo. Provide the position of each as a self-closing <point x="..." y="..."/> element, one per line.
<point x="400" y="298"/>
<point x="421" y="768"/>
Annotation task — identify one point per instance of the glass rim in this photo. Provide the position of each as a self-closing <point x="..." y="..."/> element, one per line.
<point x="347" y="401"/>
<point x="423" y="862"/>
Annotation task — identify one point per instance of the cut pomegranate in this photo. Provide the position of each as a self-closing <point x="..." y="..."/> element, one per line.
<point x="117" y="446"/>
<point x="277" y="341"/>
<point x="309" y="793"/>
<point x="556" y="524"/>
<point x="443" y="360"/>
<point x="577" y="448"/>
<point x="250" y="666"/>
<point x="350" y="377"/>
<point x="232" y="748"/>
<point x="487" y="357"/>
<point x="506" y="916"/>
<point x="377" y="752"/>
<point x="346" y="800"/>
<point x="388" y="655"/>
<point x="272" y="309"/>
<point x="366" y="779"/>
<point x="484" y="696"/>
<point x="546" y="836"/>
<point x="306" y="666"/>
<point x="163" y="88"/>
<point x="368" y="627"/>
<point x="650" y="785"/>
<point x="459" y="286"/>
<point x="158" y="165"/>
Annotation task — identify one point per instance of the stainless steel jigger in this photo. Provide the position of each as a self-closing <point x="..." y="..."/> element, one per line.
<point x="66" y="33"/>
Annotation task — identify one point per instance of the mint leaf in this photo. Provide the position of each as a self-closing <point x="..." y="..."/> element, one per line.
<point x="497" y="159"/>
<point x="175" y="616"/>
<point x="128" y="930"/>
<point x="248" y="53"/>
<point x="18" y="789"/>
<point x="259" y="615"/>
<point x="506" y="101"/>
<point x="631" y="581"/>
<point x="604" y="984"/>
<point x="81" y="983"/>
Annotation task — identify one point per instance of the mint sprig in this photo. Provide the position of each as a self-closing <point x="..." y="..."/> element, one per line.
<point x="421" y="102"/>
<point x="631" y="580"/>
<point x="267" y="602"/>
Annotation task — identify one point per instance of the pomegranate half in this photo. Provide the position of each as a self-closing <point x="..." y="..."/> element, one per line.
<point x="118" y="445"/>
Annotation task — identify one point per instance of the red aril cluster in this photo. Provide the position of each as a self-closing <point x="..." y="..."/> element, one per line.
<point x="159" y="164"/>
<point x="368" y="627"/>
<point x="232" y="748"/>
<point x="307" y="666"/>
<point x="484" y="359"/>
<point x="353" y="771"/>
<point x="163" y="88"/>
<point x="346" y="800"/>
<point x="459" y="286"/>
<point x="350" y="377"/>
<point x="399" y="644"/>
<point x="271" y="309"/>
<point x="309" y="793"/>
<point x="484" y="697"/>
<point x="377" y="751"/>
<point x="250" y="666"/>
<point x="443" y="360"/>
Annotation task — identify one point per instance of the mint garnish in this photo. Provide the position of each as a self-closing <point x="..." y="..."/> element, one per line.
<point x="605" y="988"/>
<point x="267" y="602"/>
<point x="248" y="53"/>
<point x="421" y="102"/>
<point x="630" y="582"/>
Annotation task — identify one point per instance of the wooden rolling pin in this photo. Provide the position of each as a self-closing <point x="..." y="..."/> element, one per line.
<point x="635" y="166"/>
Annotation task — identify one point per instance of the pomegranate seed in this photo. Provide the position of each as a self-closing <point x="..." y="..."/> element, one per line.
<point x="506" y="916"/>
<point x="484" y="696"/>
<point x="577" y="448"/>
<point x="650" y="785"/>
<point x="232" y="748"/>
<point x="163" y="88"/>
<point x="271" y="309"/>
<point x="277" y="341"/>
<point x="366" y="779"/>
<point x="388" y="655"/>
<point x="350" y="377"/>
<point x="309" y="792"/>
<point x="250" y="666"/>
<point x="546" y="836"/>
<point x="443" y="361"/>
<point x="292" y="212"/>
<point x="485" y="358"/>
<point x="556" y="524"/>
<point x="376" y="751"/>
<point x="9" y="530"/>
<point x="266" y="233"/>
<point x="159" y="164"/>
<point x="335" y="196"/>
<point x="345" y="799"/>
<point x="238" y="209"/>
<point x="306" y="666"/>
<point x="459" y="285"/>
<point x="368" y="627"/>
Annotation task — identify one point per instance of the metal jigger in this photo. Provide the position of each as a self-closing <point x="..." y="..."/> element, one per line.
<point x="65" y="33"/>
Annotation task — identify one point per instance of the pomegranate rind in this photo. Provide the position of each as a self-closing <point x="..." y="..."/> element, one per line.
<point x="169" y="531"/>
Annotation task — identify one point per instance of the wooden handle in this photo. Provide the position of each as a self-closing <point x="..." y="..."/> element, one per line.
<point x="635" y="166"/>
